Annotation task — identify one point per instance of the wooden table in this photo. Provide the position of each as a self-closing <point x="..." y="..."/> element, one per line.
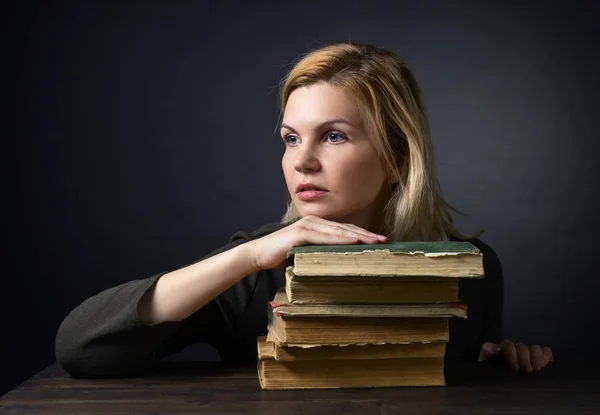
<point x="216" y="388"/>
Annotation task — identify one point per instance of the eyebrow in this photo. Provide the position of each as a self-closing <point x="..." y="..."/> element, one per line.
<point x="321" y="125"/>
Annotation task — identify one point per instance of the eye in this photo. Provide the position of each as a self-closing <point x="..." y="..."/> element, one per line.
<point x="290" y="139"/>
<point x="335" y="137"/>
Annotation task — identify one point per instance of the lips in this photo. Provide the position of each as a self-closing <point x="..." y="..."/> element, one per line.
<point x="308" y="186"/>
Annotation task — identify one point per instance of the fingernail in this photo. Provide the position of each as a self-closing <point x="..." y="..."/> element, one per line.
<point x="493" y="348"/>
<point x="381" y="236"/>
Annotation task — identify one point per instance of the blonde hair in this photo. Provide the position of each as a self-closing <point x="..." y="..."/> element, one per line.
<point x="396" y="120"/>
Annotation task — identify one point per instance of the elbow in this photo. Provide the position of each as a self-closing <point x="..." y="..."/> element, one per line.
<point x="83" y="356"/>
<point x="72" y="364"/>
<point x="69" y="354"/>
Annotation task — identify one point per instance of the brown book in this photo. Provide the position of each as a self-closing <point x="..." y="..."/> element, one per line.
<point x="282" y="305"/>
<point x="362" y="373"/>
<point x="270" y="350"/>
<point x="447" y="259"/>
<point x="369" y="290"/>
<point x="344" y="324"/>
<point x="353" y="330"/>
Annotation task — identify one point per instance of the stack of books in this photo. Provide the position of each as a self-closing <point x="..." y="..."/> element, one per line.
<point x="355" y="316"/>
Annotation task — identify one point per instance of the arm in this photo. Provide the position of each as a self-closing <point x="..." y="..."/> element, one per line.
<point x="178" y="294"/>
<point x="518" y="356"/>
<point x="122" y="330"/>
<point x="127" y="328"/>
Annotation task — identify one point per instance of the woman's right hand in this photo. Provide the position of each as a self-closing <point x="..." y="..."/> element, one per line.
<point x="270" y="251"/>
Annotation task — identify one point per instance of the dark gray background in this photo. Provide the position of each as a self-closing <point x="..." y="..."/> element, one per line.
<point x="145" y="137"/>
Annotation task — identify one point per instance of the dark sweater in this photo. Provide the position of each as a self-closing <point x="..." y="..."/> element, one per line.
<point x="104" y="335"/>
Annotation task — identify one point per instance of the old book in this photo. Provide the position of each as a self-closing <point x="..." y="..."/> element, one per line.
<point x="341" y="324"/>
<point x="446" y="259"/>
<point x="281" y="305"/>
<point x="357" y="330"/>
<point x="369" y="290"/>
<point x="362" y="373"/>
<point x="271" y="350"/>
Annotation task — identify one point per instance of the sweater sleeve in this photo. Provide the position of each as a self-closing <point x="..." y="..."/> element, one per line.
<point x="105" y="337"/>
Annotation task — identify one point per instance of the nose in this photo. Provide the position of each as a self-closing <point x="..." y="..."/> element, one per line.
<point x="306" y="159"/>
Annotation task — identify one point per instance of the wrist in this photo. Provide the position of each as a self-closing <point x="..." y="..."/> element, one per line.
<point x="249" y="251"/>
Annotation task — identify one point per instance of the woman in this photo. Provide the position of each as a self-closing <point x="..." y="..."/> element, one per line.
<point x="358" y="167"/>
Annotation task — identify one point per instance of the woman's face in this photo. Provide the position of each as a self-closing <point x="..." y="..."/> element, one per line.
<point x="326" y="145"/>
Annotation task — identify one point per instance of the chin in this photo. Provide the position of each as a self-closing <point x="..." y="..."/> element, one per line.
<point x="326" y="213"/>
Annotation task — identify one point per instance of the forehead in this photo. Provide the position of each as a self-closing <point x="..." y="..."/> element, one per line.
<point x="320" y="102"/>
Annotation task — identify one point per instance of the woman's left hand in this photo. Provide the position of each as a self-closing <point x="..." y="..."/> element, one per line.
<point x="518" y="356"/>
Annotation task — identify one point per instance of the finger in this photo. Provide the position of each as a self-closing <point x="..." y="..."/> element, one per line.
<point x="323" y="225"/>
<point x="489" y="351"/>
<point x="364" y="231"/>
<point x="364" y="236"/>
<point x="509" y="352"/>
<point x="345" y="226"/>
<point x="538" y="360"/>
<point x="317" y="224"/>
<point x="316" y="237"/>
<point x="350" y="233"/>
<point x="314" y="231"/>
<point x="548" y="353"/>
<point x="524" y="357"/>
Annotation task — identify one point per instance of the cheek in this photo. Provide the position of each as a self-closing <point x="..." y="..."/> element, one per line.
<point x="359" y="184"/>
<point x="363" y="175"/>
<point x="361" y="188"/>
<point x="287" y="170"/>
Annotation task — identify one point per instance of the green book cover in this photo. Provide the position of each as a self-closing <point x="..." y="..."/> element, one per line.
<point x="428" y="248"/>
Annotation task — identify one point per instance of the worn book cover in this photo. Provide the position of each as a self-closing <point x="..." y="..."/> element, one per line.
<point x="359" y="373"/>
<point x="439" y="259"/>
<point x="269" y="349"/>
<point x="282" y="306"/>
<point x="356" y="289"/>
